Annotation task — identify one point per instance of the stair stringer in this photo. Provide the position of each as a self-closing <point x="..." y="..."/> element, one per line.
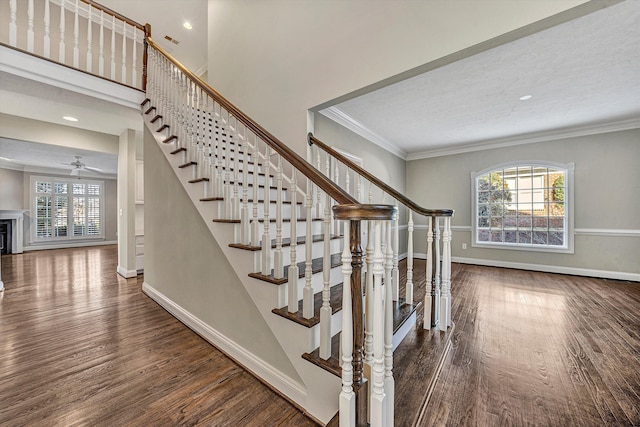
<point x="319" y="390"/>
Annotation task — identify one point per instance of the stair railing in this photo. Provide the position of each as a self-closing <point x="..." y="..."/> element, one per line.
<point x="69" y="31"/>
<point x="236" y="160"/>
<point x="437" y="304"/>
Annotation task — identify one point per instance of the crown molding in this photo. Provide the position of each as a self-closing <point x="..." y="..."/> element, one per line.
<point x="550" y="135"/>
<point x="355" y="126"/>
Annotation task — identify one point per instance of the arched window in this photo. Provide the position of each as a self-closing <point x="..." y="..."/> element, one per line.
<point x="523" y="206"/>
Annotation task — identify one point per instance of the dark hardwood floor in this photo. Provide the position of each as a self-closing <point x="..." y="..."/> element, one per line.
<point x="539" y="349"/>
<point x="79" y="345"/>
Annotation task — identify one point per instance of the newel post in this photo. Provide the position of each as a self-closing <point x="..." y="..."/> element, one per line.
<point x="145" y="56"/>
<point x="355" y="214"/>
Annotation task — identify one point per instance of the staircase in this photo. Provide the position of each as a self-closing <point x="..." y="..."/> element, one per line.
<point x="264" y="204"/>
<point x="314" y="242"/>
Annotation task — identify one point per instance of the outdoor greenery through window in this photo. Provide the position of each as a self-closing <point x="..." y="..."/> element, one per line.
<point x="523" y="205"/>
<point x="67" y="208"/>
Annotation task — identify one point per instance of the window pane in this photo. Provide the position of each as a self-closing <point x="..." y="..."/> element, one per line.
<point x="510" y="236"/>
<point x="93" y="189"/>
<point x="43" y="216"/>
<point x="524" y="237"/>
<point x="539" y="237"/>
<point x="496" y="236"/>
<point x="79" y="219"/>
<point x="60" y="187"/>
<point x="556" y="238"/>
<point x="556" y="222"/>
<point x="43" y="187"/>
<point x="484" y="235"/>
<point x="93" y="216"/>
<point x="78" y="189"/>
<point x="61" y="216"/>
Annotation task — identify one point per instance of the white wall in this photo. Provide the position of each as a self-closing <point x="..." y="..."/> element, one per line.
<point x="11" y="189"/>
<point x="275" y="59"/>
<point x="607" y="198"/>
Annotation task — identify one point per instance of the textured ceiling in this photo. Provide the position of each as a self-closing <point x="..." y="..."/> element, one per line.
<point x="580" y="73"/>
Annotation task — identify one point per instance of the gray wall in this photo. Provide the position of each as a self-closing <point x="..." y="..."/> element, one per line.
<point x="185" y="263"/>
<point x="607" y="197"/>
<point x="11" y="189"/>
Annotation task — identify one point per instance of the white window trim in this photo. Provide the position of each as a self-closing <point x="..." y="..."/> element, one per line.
<point x="568" y="168"/>
<point x="33" y="212"/>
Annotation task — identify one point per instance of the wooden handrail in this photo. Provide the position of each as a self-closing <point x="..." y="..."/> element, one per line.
<point x="113" y="13"/>
<point x="385" y="187"/>
<point x="325" y="184"/>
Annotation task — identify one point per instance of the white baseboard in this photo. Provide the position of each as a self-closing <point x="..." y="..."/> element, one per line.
<point x="606" y="274"/>
<point x="127" y="274"/>
<point x="261" y="369"/>
<point x="68" y="245"/>
<point x="574" y="271"/>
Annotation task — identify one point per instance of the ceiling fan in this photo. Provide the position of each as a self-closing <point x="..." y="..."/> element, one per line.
<point x="78" y="166"/>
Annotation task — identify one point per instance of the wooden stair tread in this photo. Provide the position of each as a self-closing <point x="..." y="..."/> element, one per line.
<point x="178" y="150"/>
<point x="237" y="221"/>
<point x="211" y="199"/>
<point x="316" y="267"/>
<point x="301" y="240"/>
<point x="401" y="312"/>
<point x="335" y="300"/>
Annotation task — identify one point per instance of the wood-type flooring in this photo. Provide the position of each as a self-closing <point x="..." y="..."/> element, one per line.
<point x="81" y="346"/>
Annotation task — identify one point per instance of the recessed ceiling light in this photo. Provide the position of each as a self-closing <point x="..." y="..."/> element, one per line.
<point x="187" y="25"/>
<point x="526" y="97"/>
<point x="71" y="119"/>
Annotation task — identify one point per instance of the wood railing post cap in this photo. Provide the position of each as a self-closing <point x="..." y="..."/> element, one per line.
<point x="365" y="212"/>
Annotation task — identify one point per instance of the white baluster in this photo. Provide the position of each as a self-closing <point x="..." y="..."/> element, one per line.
<point x="378" y="403"/>
<point x="76" y="36"/>
<point x="228" y="210"/>
<point x="113" y="48"/>
<point x="445" y="297"/>
<point x="124" y="53"/>
<point x="90" y="40"/>
<point x="134" y="60"/>
<point x="47" y="35"/>
<point x="428" y="278"/>
<point x="389" y="384"/>
<point x="325" y="310"/>
<point x="409" y="285"/>
<point x="388" y="256"/>
<point x="30" y="37"/>
<point x="255" y="226"/>
<point x="61" y="46"/>
<point x="347" y="396"/>
<point x="235" y="199"/>
<point x="13" y="27"/>
<point x="101" y="48"/>
<point x="368" y="310"/>
<point x="244" y="211"/>
<point x="294" y="272"/>
<point x="359" y="188"/>
<point x="266" y="238"/>
<point x="319" y="211"/>
<point x="396" y="242"/>
<point x="307" y="295"/>
<point x="278" y="266"/>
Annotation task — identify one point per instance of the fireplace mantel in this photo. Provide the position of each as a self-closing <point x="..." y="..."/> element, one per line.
<point x="17" y="218"/>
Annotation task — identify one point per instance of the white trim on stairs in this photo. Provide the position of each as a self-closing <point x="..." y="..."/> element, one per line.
<point x="261" y="369"/>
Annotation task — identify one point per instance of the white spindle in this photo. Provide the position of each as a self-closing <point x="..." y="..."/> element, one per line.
<point x="124" y="53"/>
<point x="445" y="297"/>
<point x="368" y="309"/>
<point x="307" y="294"/>
<point x="113" y="48"/>
<point x="226" y="153"/>
<point x="61" y="46"/>
<point x="347" y="396"/>
<point x="90" y="40"/>
<point x="30" y="37"/>
<point x="101" y="49"/>
<point x="436" y="282"/>
<point x="294" y="272"/>
<point x="278" y="266"/>
<point x="389" y="385"/>
<point x="359" y="188"/>
<point x="266" y="238"/>
<point x="325" y="310"/>
<point x="235" y="199"/>
<point x="13" y="26"/>
<point x="255" y="226"/>
<point x="76" y="37"/>
<point x="409" y="284"/>
<point x="47" y="35"/>
<point x="378" y="403"/>
<point x="428" y="278"/>
<point x="245" y="225"/>
<point x="388" y="257"/>
<point x="134" y="60"/>
<point x="396" y="242"/>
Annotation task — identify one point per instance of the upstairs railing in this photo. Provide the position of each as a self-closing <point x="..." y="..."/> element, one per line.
<point x="81" y="34"/>
<point x="366" y="187"/>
